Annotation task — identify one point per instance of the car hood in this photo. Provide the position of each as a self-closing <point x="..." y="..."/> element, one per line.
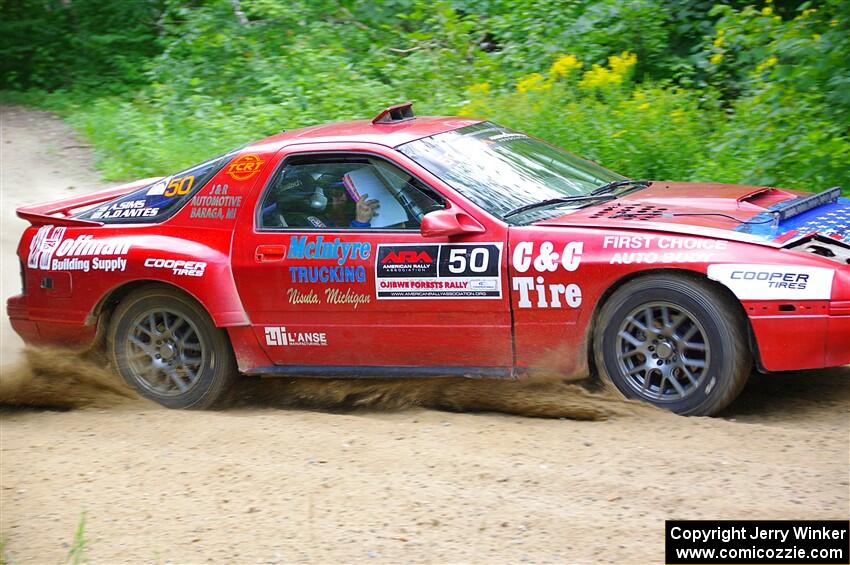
<point x="724" y="211"/>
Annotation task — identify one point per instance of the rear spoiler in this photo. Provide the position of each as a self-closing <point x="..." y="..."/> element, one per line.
<point x="41" y="214"/>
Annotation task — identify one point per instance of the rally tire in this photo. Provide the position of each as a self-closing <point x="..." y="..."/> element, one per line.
<point x="674" y="341"/>
<point x="166" y="346"/>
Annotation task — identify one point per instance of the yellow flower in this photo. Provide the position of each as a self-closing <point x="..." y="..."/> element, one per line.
<point x="644" y="106"/>
<point x="564" y="66"/>
<point x="622" y="63"/>
<point x="598" y="77"/>
<point x="618" y="67"/>
<point x="816" y="37"/>
<point x="479" y="89"/>
<point x="533" y="82"/>
<point x="833" y="23"/>
<point x="766" y="64"/>
<point x="767" y="11"/>
<point x="719" y="41"/>
<point x="808" y="12"/>
<point x="716" y="58"/>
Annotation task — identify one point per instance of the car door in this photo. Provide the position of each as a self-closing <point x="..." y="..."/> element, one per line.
<point x="335" y="295"/>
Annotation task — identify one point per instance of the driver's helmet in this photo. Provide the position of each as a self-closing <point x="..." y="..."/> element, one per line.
<point x="298" y="192"/>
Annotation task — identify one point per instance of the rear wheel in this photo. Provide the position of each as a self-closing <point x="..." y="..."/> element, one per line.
<point x="674" y="342"/>
<point x="167" y="347"/>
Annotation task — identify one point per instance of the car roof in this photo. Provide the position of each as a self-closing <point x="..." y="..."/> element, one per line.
<point x="364" y="131"/>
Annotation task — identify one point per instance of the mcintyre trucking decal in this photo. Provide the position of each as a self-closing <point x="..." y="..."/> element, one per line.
<point x="414" y="271"/>
<point x="51" y="251"/>
<point x="774" y="282"/>
<point x="343" y="253"/>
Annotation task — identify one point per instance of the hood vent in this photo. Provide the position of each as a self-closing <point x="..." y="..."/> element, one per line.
<point x="766" y="197"/>
<point x="630" y="212"/>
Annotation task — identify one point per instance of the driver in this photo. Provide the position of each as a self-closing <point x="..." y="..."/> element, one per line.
<point x="301" y="202"/>
<point x="341" y="208"/>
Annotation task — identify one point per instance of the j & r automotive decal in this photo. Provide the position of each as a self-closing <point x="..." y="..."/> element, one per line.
<point x="218" y="204"/>
<point x="51" y="251"/>
<point x="439" y="271"/>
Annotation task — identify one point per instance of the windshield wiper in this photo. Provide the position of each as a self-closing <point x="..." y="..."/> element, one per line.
<point x="609" y="187"/>
<point x="561" y="200"/>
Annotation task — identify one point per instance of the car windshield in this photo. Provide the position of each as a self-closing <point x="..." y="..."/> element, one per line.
<point x="502" y="171"/>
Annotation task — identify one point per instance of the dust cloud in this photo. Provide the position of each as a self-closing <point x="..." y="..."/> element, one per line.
<point x="61" y="379"/>
<point x="530" y="398"/>
<point x="48" y="377"/>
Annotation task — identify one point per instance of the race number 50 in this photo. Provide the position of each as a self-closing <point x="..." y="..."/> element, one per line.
<point x="469" y="260"/>
<point x="478" y="260"/>
<point x="180" y="185"/>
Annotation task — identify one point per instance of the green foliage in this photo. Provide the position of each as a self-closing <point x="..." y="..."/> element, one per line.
<point x="684" y="89"/>
<point x="791" y="117"/>
<point x="82" y="43"/>
<point x="652" y="130"/>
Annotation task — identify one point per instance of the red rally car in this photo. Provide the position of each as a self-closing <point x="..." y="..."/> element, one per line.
<point x="405" y="246"/>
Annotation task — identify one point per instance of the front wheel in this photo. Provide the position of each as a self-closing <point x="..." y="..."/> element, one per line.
<point x="167" y="347"/>
<point x="675" y="342"/>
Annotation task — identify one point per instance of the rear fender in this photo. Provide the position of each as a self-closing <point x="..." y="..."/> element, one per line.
<point x="72" y="271"/>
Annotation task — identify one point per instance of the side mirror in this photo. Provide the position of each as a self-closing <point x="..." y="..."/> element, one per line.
<point x="446" y="223"/>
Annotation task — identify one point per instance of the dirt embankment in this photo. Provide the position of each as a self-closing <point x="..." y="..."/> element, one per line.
<point x="336" y="471"/>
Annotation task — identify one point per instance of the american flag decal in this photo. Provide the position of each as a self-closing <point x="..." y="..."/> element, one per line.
<point x="831" y="220"/>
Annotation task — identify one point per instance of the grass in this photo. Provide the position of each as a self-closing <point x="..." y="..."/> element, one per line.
<point x="77" y="553"/>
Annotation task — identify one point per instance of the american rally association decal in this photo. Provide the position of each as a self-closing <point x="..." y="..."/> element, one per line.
<point x="439" y="271"/>
<point x="774" y="282"/>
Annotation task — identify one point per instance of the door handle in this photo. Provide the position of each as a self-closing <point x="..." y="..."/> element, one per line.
<point x="267" y="253"/>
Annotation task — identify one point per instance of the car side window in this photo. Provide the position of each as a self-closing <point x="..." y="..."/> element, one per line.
<point x="344" y="191"/>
